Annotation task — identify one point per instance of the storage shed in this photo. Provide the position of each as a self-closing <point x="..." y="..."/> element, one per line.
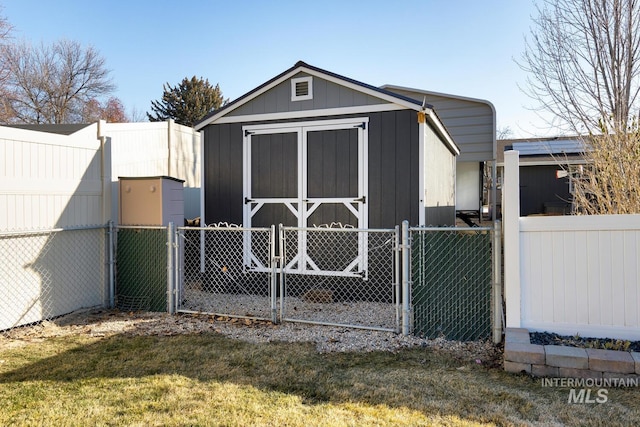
<point x="310" y="147"/>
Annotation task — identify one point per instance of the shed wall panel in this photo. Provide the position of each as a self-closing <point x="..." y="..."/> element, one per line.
<point x="393" y="181"/>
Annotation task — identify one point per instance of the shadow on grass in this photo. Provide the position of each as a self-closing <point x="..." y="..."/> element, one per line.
<point x="418" y="379"/>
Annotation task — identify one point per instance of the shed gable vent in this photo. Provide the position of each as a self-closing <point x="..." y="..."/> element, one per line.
<point x="301" y="88"/>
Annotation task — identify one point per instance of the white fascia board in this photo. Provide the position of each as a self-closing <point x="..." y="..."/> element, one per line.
<point x="363" y="109"/>
<point x="435" y="121"/>
<point x="392" y="99"/>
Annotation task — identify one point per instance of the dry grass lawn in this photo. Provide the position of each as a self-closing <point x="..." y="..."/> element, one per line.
<point x="209" y="380"/>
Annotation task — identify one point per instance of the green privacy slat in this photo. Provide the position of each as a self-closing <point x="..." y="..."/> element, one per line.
<point x="451" y="284"/>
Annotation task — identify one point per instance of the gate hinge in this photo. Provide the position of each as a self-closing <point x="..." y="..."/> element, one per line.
<point x="247" y="200"/>
<point x="362" y="125"/>
<point x="247" y="133"/>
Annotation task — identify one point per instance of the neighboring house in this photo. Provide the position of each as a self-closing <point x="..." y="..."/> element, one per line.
<point x="545" y="163"/>
<point x="310" y="147"/>
<point x="472" y="125"/>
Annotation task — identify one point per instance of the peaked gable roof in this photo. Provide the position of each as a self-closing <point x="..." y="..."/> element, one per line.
<point x="300" y="66"/>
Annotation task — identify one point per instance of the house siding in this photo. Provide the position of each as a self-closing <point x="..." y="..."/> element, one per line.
<point x="470" y="123"/>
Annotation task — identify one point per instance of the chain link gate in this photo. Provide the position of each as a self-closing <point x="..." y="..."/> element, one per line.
<point x="227" y="271"/>
<point x="340" y="277"/>
<point x="451" y="282"/>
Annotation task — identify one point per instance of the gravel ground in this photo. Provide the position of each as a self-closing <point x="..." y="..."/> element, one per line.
<point x="103" y="323"/>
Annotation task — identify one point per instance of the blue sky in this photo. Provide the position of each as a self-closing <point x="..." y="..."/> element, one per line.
<point x="463" y="47"/>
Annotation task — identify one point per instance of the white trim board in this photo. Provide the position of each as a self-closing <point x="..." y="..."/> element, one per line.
<point x="310" y="113"/>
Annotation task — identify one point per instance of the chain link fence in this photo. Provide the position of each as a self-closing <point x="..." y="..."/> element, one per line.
<point x="228" y="271"/>
<point x="48" y="273"/>
<point x="340" y="276"/>
<point x="451" y="274"/>
<point x="333" y="276"/>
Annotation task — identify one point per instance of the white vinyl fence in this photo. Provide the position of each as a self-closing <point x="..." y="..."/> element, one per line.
<point x="51" y="181"/>
<point x="54" y="191"/>
<point x="573" y="274"/>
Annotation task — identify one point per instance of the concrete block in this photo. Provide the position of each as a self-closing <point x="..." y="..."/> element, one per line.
<point x="636" y="359"/>
<point x="578" y="373"/>
<point x="524" y="353"/>
<point x="566" y="357"/>
<point x="516" y="367"/>
<point x="516" y="335"/>
<point x="611" y="361"/>
<point x="544" y="371"/>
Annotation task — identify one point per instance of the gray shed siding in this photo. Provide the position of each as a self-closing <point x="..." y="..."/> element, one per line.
<point x="393" y="177"/>
<point x="326" y="94"/>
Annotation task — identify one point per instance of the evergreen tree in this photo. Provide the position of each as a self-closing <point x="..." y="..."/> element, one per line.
<point x="188" y="102"/>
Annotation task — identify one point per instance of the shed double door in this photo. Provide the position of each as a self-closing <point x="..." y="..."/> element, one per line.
<point x="308" y="174"/>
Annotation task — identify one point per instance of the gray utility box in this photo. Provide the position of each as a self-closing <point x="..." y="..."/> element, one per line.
<point x="155" y="201"/>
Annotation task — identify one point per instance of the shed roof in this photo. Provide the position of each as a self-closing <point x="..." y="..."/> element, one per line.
<point x="386" y="95"/>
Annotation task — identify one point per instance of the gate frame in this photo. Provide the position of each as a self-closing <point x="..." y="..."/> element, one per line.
<point x="362" y="240"/>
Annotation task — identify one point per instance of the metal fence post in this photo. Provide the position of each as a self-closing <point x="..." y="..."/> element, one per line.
<point x="283" y="261"/>
<point x="111" y="273"/>
<point x="406" y="279"/>
<point x="170" y="267"/>
<point x="497" y="282"/>
<point x="274" y="268"/>
<point x="179" y="274"/>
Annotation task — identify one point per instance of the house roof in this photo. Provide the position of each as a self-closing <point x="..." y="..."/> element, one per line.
<point x="470" y="121"/>
<point x="60" y="129"/>
<point x="301" y="66"/>
<point x="544" y="150"/>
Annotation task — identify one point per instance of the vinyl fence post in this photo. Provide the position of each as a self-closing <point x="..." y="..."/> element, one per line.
<point x="397" y="279"/>
<point x="170" y="267"/>
<point x="111" y="272"/>
<point x="406" y="279"/>
<point x="497" y="282"/>
<point x="511" y="228"/>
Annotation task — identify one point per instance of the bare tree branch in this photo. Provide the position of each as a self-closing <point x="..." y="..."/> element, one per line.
<point x="583" y="60"/>
<point x="52" y="83"/>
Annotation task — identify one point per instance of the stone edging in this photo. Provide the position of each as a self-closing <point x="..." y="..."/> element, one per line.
<point x="561" y="361"/>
